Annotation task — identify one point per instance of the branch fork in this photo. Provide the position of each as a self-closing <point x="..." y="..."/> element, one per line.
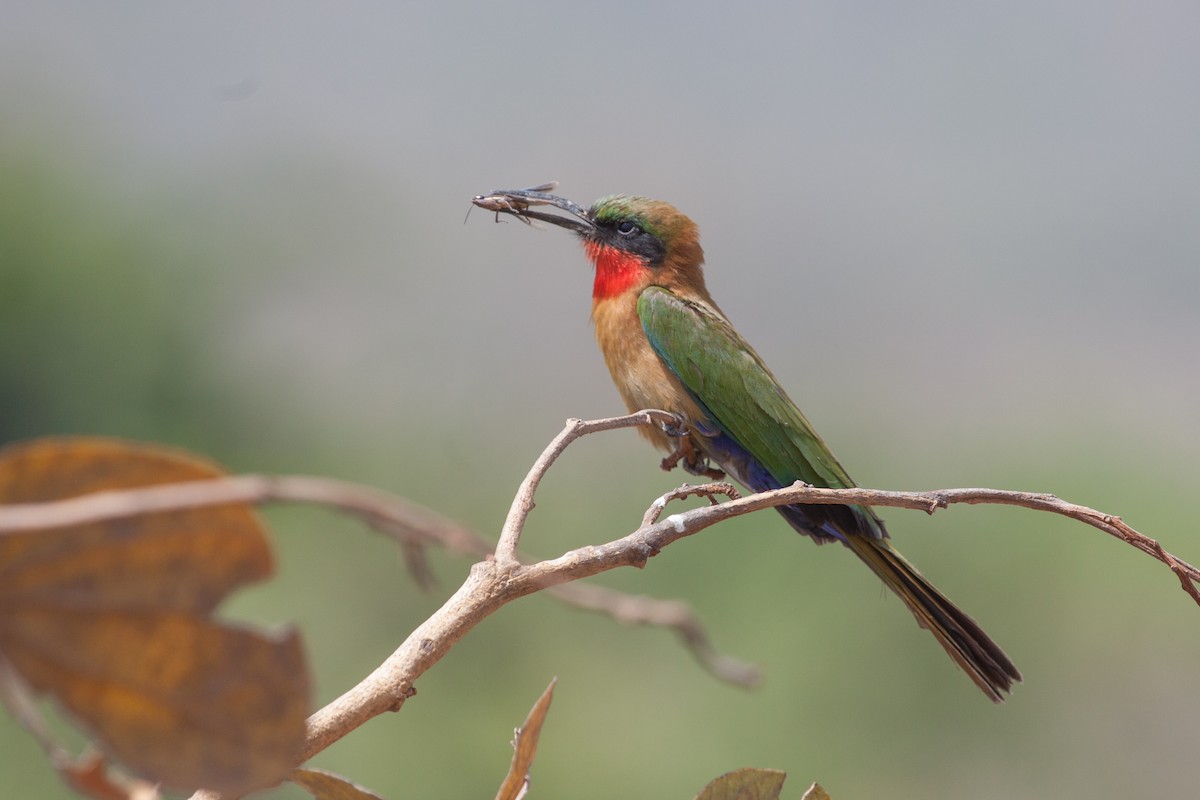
<point x="502" y="577"/>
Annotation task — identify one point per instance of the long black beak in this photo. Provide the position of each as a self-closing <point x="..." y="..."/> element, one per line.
<point x="518" y="202"/>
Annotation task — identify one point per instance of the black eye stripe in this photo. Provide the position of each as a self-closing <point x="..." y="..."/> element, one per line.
<point x="627" y="234"/>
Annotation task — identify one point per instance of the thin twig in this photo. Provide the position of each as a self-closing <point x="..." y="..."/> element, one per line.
<point x="412" y="525"/>
<point x="930" y="501"/>
<point x="709" y="490"/>
<point x="674" y="614"/>
<point x="522" y="504"/>
<point x="497" y="581"/>
<point x="376" y="507"/>
<point x="488" y="588"/>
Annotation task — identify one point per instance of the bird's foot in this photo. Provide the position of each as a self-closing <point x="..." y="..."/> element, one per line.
<point x="687" y="455"/>
<point x="702" y="466"/>
<point x="677" y="429"/>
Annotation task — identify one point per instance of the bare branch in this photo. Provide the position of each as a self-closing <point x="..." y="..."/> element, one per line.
<point x="489" y="586"/>
<point x="376" y="507"/>
<point x="522" y="504"/>
<point x="709" y="490"/>
<point x="412" y="525"/>
<point x="674" y="614"/>
<point x="930" y="501"/>
<point x="501" y="579"/>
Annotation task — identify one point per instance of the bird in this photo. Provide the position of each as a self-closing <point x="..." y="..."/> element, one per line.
<point x="669" y="346"/>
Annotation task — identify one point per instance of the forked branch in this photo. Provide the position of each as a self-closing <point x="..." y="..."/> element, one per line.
<point x="503" y="577"/>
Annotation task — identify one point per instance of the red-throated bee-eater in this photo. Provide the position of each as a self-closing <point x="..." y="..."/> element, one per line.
<point x="669" y="346"/>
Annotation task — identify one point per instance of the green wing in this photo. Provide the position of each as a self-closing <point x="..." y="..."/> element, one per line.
<point x="725" y="376"/>
<point x="731" y="383"/>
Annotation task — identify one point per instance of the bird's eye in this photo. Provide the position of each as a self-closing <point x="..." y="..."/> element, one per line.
<point x="627" y="228"/>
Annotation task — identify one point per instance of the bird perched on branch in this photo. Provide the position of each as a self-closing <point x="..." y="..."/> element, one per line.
<point x="669" y="346"/>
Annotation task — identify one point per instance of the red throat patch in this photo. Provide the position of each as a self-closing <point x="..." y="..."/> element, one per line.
<point x="616" y="270"/>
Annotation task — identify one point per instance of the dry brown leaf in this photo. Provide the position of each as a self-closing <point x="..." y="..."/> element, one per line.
<point x="525" y="743"/>
<point x="87" y="774"/>
<point x="325" y="785"/>
<point x="745" y="784"/>
<point x="112" y="619"/>
<point x="816" y="792"/>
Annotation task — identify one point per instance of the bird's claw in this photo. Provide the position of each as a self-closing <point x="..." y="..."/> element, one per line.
<point x="687" y="455"/>
<point x="702" y="466"/>
<point x="675" y="430"/>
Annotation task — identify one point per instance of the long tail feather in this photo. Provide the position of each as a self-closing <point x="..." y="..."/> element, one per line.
<point x="961" y="637"/>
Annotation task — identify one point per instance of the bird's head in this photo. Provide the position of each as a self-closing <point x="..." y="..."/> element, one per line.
<point x="633" y="242"/>
<point x="636" y="242"/>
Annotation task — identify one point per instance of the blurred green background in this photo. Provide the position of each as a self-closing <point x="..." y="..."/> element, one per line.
<point x="964" y="236"/>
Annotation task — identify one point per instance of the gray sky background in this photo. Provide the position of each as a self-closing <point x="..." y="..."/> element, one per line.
<point x="956" y="207"/>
